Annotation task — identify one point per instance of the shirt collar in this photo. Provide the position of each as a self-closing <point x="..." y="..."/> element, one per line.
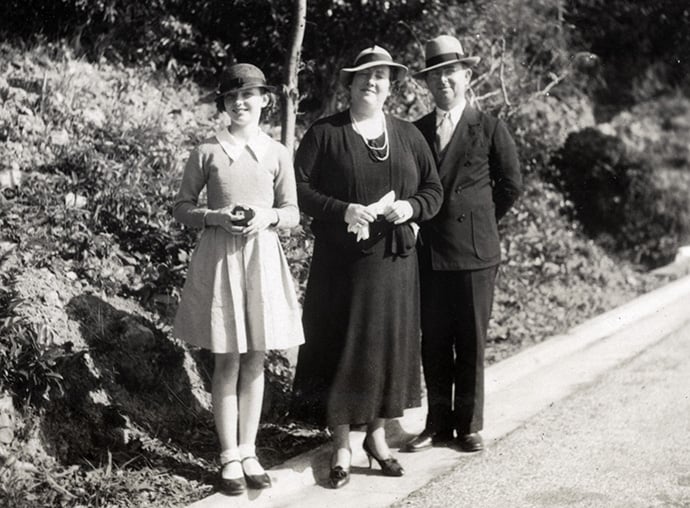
<point x="258" y="144"/>
<point x="455" y="113"/>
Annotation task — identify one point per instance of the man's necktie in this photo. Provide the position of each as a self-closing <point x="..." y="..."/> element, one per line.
<point x="444" y="131"/>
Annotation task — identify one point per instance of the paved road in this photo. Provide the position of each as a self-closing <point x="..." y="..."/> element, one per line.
<point x="622" y="441"/>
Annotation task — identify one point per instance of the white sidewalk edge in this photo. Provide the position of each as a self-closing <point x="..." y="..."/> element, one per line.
<point x="581" y="336"/>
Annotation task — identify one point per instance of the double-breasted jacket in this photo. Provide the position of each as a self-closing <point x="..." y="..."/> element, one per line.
<point x="481" y="180"/>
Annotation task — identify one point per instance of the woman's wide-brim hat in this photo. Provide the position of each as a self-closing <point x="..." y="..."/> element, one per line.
<point x="241" y="76"/>
<point x="373" y="57"/>
<point x="444" y="50"/>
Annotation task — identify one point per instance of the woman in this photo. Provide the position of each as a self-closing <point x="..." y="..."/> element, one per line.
<point x="360" y="361"/>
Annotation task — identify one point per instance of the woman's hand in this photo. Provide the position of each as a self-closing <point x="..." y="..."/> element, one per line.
<point x="399" y="211"/>
<point x="263" y="218"/>
<point x="223" y="218"/>
<point x="358" y="215"/>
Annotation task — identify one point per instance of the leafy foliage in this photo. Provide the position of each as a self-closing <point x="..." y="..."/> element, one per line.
<point x="523" y="43"/>
<point x="616" y="197"/>
<point x="643" y="47"/>
<point x="28" y="357"/>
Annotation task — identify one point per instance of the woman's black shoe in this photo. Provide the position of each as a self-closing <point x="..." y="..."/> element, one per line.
<point x="230" y="486"/>
<point x="389" y="466"/>
<point x="338" y="477"/>
<point x="256" y="481"/>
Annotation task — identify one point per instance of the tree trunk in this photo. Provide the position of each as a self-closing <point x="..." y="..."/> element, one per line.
<point x="290" y="95"/>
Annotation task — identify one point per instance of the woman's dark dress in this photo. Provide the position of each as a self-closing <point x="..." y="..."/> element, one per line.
<point x="361" y="358"/>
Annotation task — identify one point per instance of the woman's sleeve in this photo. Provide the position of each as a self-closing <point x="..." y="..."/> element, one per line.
<point x="308" y="164"/>
<point x="426" y="202"/>
<point x="285" y="200"/>
<point x="185" y="207"/>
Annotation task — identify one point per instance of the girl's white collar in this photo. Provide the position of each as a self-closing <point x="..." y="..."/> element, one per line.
<point x="258" y="144"/>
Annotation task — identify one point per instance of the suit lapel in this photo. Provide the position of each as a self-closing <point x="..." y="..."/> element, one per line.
<point x="462" y="140"/>
<point x="427" y="126"/>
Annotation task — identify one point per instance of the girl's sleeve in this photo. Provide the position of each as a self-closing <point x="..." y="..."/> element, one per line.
<point x="285" y="201"/>
<point x="312" y="201"/>
<point x="185" y="208"/>
<point x="426" y="202"/>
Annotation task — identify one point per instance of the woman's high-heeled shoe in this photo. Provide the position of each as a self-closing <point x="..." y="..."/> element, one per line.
<point x="389" y="466"/>
<point x="339" y="476"/>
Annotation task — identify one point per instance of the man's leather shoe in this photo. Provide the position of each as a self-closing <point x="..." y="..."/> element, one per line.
<point x="426" y="440"/>
<point x="471" y="442"/>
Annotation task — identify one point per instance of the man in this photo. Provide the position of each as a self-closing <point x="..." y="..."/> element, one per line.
<point x="460" y="248"/>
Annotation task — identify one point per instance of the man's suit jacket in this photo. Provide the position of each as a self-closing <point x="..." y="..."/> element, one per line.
<point x="481" y="180"/>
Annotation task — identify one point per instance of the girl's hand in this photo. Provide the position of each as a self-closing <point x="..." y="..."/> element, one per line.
<point x="223" y="218"/>
<point x="263" y="218"/>
<point x="358" y="215"/>
<point x="399" y="211"/>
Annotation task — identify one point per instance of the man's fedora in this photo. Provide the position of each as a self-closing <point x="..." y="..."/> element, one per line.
<point x="371" y="57"/>
<point x="444" y="50"/>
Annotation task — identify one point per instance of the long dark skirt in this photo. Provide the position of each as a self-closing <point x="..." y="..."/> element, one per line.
<point x="361" y="357"/>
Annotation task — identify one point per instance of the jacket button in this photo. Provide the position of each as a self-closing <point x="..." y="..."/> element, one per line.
<point x="461" y="218"/>
<point x="458" y="189"/>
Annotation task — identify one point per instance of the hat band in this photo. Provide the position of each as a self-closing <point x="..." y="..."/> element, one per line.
<point x="443" y="57"/>
<point x="241" y="83"/>
<point x="373" y="57"/>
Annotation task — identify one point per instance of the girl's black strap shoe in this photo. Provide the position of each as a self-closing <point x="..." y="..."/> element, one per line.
<point x="257" y="481"/>
<point x="230" y="486"/>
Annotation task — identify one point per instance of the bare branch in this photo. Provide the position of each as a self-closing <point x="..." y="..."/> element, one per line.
<point x="503" y="83"/>
<point x="413" y="33"/>
<point x="554" y="81"/>
<point x="495" y="64"/>
<point x="486" y="95"/>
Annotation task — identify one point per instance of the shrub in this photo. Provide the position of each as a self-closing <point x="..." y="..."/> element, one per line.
<point x="616" y="196"/>
<point x="542" y="124"/>
<point x="643" y="46"/>
<point x="28" y="357"/>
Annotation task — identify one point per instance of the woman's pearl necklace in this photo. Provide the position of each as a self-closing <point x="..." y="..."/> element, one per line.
<point x="374" y="150"/>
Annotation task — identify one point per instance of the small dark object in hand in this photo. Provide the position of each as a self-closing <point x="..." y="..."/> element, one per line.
<point x="377" y="230"/>
<point x="246" y="215"/>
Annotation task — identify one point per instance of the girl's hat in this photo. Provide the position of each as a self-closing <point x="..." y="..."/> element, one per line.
<point x="444" y="50"/>
<point x="242" y="76"/>
<point x="371" y="57"/>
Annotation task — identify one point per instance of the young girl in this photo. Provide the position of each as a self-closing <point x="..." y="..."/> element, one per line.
<point x="238" y="300"/>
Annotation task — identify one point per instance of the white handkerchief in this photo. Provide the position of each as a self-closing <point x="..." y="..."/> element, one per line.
<point x="377" y="208"/>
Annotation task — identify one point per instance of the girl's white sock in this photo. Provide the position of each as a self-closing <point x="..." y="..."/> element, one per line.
<point x="252" y="467"/>
<point x="247" y="450"/>
<point x="233" y="470"/>
<point x="230" y="454"/>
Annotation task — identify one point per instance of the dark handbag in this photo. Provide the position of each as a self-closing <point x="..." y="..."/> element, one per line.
<point x="377" y="230"/>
